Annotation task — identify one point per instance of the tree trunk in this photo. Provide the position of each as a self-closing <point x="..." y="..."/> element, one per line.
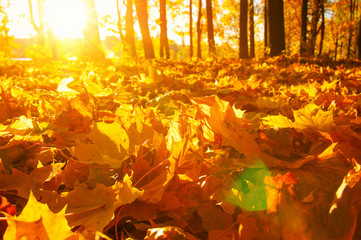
<point x="350" y="30"/>
<point x="52" y="42"/>
<point x="322" y="29"/>
<point x="93" y="45"/>
<point x="119" y="24"/>
<point x="243" y="38"/>
<point x="251" y="30"/>
<point x="266" y="43"/>
<point x="39" y="29"/>
<point x="304" y="18"/>
<point x="276" y="27"/>
<point x="358" y="47"/>
<point x="210" y="30"/>
<point x="199" y="30"/>
<point x="316" y="13"/>
<point x="164" y="45"/>
<point x="129" y="28"/>
<point x="336" y="48"/>
<point x="142" y="13"/>
<point x="190" y="29"/>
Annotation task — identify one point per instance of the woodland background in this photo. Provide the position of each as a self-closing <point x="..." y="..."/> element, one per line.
<point x="223" y="28"/>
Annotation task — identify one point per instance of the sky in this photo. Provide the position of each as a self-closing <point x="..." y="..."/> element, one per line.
<point x="66" y="17"/>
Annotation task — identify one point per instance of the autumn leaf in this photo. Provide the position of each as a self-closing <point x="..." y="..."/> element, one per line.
<point x="94" y="213"/>
<point x="277" y="122"/>
<point x="221" y="118"/>
<point x="36" y="221"/>
<point x="125" y="192"/>
<point x="312" y="116"/>
<point x="168" y="233"/>
<point x="106" y="145"/>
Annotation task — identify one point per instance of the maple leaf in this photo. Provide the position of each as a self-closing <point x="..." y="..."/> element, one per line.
<point x="107" y="144"/>
<point x="75" y="118"/>
<point x="249" y="191"/>
<point x="17" y="181"/>
<point x="311" y="116"/>
<point x="125" y="192"/>
<point x="36" y="221"/>
<point x="221" y="118"/>
<point x="96" y="211"/>
<point x="277" y="122"/>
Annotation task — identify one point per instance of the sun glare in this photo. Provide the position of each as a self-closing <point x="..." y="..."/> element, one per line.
<point x="66" y="18"/>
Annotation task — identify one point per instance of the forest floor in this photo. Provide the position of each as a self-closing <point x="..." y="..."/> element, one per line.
<point x="196" y="149"/>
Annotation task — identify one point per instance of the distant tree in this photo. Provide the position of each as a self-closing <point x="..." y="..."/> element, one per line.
<point x="243" y="37"/>
<point x="275" y="27"/>
<point x="251" y="30"/>
<point x="265" y="10"/>
<point x="164" y="44"/>
<point x="358" y="45"/>
<point x="210" y="29"/>
<point x="119" y="23"/>
<point x="316" y="6"/>
<point x="322" y="28"/>
<point x="190" y="29"/>
<point x="304" y="18"/>
<point x="142" y="13"/>
<point x="93" y="45"/>
<point x="352" y="7"/>
<point x="129" y="28"/>
<point x="5" y="38"/>
<point x="199" y="30"/>
<point x="40" y="29"/>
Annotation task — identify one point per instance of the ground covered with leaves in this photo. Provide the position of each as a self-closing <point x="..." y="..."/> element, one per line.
<point x="211" y="149"/>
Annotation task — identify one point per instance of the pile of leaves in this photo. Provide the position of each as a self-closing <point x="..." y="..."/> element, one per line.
<point x="211" y="149"/>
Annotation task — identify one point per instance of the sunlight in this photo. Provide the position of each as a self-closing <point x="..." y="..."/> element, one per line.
<point x="66" y="18"/>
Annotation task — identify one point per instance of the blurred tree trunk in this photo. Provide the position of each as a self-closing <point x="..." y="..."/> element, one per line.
<point x="93" y="45"/>
<point x="190" y="29"/>
<point x="251" y="30"/>
<point x="352" y="6"/>
<point x="52" y="42"/>
<point x="164" y="44"/>
<point x="322" y="28"/>
<point x="266" y="44"/>
<point x="243" y="37"/>
<point x="316" y="13"/>
<point x="358" y="47"/>
<point x="210" y="29"/>
<point x="304" y="18"/>
<point x="129" y="28"/>
<point x="199" y="30"/>
<point x="275" y="27"/>
<point x="39" y="29"/>
<point x="142" y="13"/>
<point x="119" y="24"/>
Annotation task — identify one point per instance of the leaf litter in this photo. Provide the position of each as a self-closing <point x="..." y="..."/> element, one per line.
<point x="200" y="149"/>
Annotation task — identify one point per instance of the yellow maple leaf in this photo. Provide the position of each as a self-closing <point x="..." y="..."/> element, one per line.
<point x="125" y="192"/>
<point x="277" y="122"/>
<point x="36" y="221"/>
<point x="106" y="144"/>
<point x="90" y="207"/>
<point x="312" y="116"/>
